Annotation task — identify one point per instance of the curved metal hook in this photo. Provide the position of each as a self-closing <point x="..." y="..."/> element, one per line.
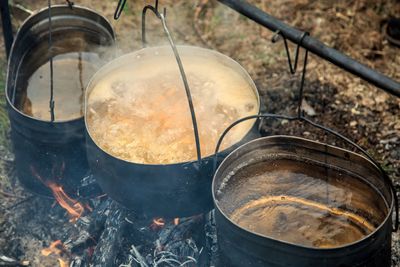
<point x="154" y="9"/>
<point x="162" y="16"/>
<point x="276" y="37"/>
<point x="293" y="68"/>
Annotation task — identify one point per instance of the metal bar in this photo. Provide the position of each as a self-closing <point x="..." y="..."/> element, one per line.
<point x="315" y="46"/>
<point x="7" y="27"/>
<point x="162" y="16"/>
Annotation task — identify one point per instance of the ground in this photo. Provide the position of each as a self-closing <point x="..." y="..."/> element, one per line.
<point x="367" y="115"/>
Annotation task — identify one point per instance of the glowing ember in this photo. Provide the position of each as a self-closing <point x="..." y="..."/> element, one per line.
<point x="176" y="221"/>
<point x="157" y="223"/>
<point x="57" y="248"/>
<point x="72" y="206"/>
<point x="63" y="263"/>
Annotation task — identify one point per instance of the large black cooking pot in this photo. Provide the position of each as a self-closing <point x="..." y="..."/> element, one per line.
<point x="242" y="247"/>
<point x="50" y="151"/>
<point x="167" y="190"/>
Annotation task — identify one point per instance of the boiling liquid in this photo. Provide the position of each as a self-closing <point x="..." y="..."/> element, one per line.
<point x="302" y="204"/>
<point x="140" y="113"/>
<point x="71" y="73"/>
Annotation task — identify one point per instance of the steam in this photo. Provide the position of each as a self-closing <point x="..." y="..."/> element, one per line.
<point x="145" y="88"/>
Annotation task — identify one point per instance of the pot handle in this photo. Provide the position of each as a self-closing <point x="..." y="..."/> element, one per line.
<point x="301" y="118"/>
<point x="162" y="16"/>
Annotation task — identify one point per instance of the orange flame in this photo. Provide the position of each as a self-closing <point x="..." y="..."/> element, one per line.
<point x="72" y="206"/>
<point x="176" y="221"/>
<point x="63" y="263"/>
<point x="56" y="247"/>
<point x="157" y="223"/>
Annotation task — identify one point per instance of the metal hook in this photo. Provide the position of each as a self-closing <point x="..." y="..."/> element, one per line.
<point x="293" y="68"/>
<point x="276" y="37"/>
<point x="158" y="15"/>
<point x="70" y="3"/>
<point x="162" y="16"/>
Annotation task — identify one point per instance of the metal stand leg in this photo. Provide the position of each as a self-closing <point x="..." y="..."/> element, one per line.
<point x="7" y="27"/>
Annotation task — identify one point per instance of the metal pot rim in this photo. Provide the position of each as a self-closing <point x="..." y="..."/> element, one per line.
<point x="18" y="35"/>
<point x="207" y="158"/>
<point x="250" y="233"/>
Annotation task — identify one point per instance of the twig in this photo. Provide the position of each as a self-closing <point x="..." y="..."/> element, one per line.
<point x="9" y="262"/>
<point x="20" y="202"/>
<point x="9" y="194"/>
<point x="138" y="257"/>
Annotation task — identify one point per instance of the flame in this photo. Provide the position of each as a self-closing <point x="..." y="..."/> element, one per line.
<point x="176" y="221"/>
<point x="63" y="263"/>
<point x="72" y="206"/>
<point x="57" y="248"/>
<point x="157" y="223"/>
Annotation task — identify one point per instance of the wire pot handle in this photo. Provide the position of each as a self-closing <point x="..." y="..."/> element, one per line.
<point x="162" y="16"/>
<point x="328" y="130"/>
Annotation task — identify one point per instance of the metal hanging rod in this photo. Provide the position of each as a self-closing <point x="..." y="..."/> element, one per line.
<point x="315" y="46"/>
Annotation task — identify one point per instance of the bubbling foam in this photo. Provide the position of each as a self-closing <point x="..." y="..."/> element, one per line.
<point x="139" y="111"/>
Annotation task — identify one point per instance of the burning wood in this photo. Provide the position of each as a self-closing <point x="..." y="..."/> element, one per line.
<point x="72" y="206"/>
<point x="57" y="248"/>
<point x="157" y="224"/>
<point x="63" y="263"/>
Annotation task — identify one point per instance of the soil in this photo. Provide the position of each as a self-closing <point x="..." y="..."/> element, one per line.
<point x="367" y="115"/>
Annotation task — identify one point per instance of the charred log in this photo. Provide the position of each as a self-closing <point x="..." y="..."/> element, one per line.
<point x="106" y="251"/>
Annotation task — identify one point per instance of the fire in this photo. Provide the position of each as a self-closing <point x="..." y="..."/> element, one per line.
<point x="57" y="248"/>
<point x="72" y="206"/>
<point x="176" y="221"/>
<point x="63" y="263"/>
<point x="157" y="223"/>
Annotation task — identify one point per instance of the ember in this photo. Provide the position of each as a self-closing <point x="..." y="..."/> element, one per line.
<point x="157" y="223"/>
<point x="57" y="248"/>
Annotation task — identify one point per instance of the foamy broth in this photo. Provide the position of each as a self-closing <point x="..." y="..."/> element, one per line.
<point x="302" y="203"/>
<point x="139" y="111"/>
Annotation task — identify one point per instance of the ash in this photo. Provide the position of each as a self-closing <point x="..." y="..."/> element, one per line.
<point x="108" y="235"/>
